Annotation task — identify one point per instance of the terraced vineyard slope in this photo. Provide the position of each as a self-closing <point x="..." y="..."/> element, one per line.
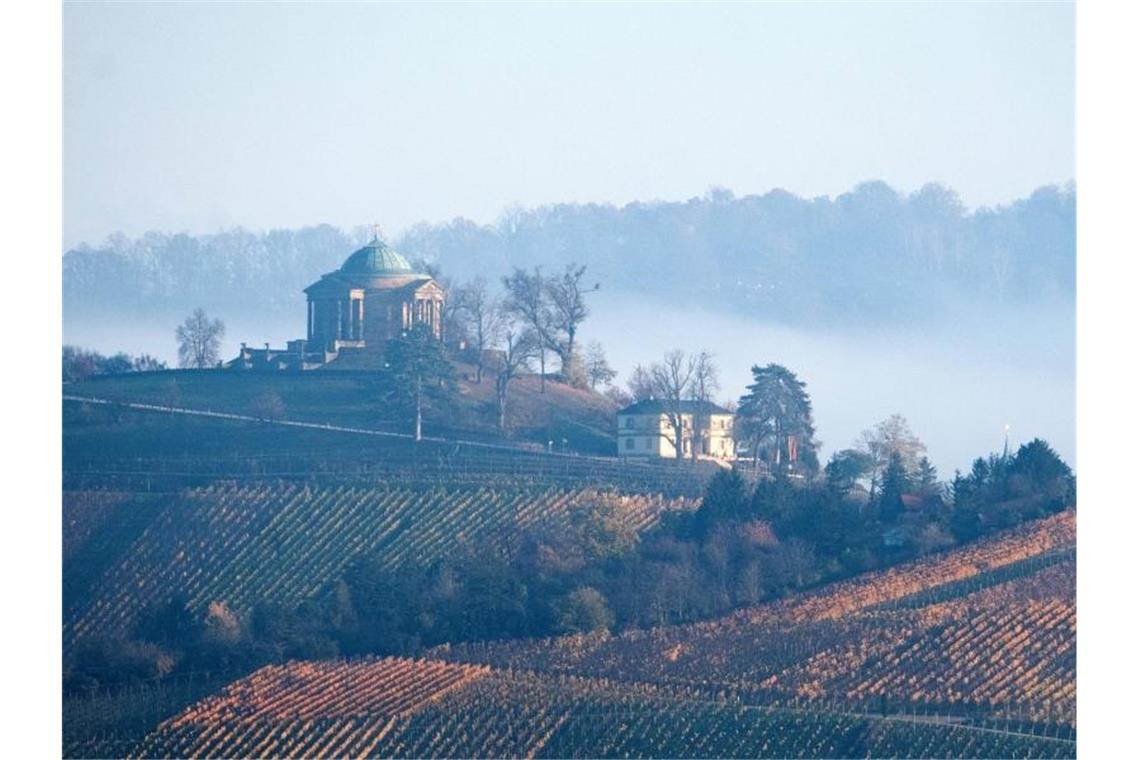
<point x="987" y="629"/>
<point x="969" y="654"/>
<point x="284" y="541"/>
<point x="425" y="708"/>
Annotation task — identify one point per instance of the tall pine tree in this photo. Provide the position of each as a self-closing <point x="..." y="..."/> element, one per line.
<point x="775" y="416"/>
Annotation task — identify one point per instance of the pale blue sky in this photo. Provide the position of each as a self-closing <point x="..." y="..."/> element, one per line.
<point x="195" y="117"/>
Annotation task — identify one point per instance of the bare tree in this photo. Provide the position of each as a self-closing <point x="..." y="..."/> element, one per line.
<point x="147" y="363"/>
<point x="199" y="340"/>
<point x="891" y="436"/>
<point x="267" y="406"/>
<point x="568" y="311"/>
<point x="672" y="380"/>
<point x="527" y="299"/>
<point x="482" y="316"/>
<point x="598" y="370"/>
<point x="520" y="345"/>
<point x="704" y="384"/>
<point x="640" y="384"/>
<point x="618" y="395"/>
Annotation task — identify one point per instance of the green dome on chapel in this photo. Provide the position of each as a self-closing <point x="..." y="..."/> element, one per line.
<point x="377" y="258"/>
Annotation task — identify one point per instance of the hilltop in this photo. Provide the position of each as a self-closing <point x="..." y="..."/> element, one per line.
<point x="575" y="420"/>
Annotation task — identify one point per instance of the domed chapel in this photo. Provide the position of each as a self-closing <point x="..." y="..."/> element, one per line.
<point x="374" y="296"/>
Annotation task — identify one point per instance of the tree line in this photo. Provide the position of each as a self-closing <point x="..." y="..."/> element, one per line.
<point x="80" y="364"/>
<point x="869" y="256"/>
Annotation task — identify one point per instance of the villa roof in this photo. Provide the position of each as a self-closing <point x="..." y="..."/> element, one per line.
<point x="658" y="406"/>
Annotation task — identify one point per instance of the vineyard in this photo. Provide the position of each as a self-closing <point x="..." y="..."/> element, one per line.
<point x="425" y="708"/>
<point x="111" y="723"/>
<point x="862" y="668"/>
<point x="283" y="542"/>
<point x="1002" y="646"/>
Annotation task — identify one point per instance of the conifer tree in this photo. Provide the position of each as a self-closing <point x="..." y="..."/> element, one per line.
<point x="895" y="484"/>
<point x="774" y="412"/>
<point x="418" y="368"/>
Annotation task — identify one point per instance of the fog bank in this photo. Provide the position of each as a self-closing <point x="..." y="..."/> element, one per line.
<point x="958" y="383"/>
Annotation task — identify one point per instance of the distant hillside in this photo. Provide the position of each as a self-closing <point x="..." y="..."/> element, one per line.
<point x="868" y="256"/>
<point x="983" y="667"/>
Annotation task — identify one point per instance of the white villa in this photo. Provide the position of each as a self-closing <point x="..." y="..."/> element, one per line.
<point x="644" y="430"/>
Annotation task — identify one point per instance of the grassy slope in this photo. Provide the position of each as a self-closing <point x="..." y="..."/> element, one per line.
<point x="584" y="418"/>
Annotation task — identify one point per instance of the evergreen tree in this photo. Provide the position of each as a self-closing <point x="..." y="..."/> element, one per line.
<point x="775" y="414"/>
<point x="774" y="502"/>
<point x="1037" y="462"/>
<point x="846" y="468"/>
<point x="926" y="478"/>
<point x="895" y="484"/>
<point x="418" y="368"/>
<point x="726" y="500"/>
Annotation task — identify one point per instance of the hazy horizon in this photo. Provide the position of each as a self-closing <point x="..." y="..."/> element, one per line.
<point x="202" y="117"/>
<point x="389" y="234"/>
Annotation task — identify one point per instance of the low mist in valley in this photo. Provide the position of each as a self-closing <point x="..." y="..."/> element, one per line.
<point x="958" y="381"/>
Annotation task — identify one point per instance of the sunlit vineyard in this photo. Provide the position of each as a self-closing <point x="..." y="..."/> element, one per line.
<point x="423" y="708"/>
<point x="1000" y="646"/>
<point x="282" y="542"/>
<point x="1005" y="649"/>
<point x="987" y="669"/>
